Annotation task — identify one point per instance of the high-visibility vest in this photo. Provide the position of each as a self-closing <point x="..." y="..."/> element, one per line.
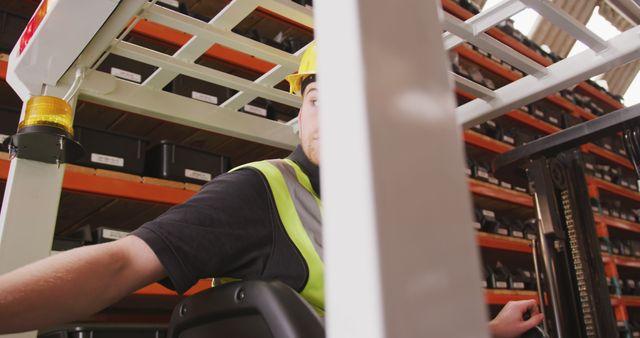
<point x="298" y="205"/>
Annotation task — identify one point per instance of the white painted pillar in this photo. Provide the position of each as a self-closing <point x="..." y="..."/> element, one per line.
<point x="29" y="211"/>
<point x="400" y="252"/>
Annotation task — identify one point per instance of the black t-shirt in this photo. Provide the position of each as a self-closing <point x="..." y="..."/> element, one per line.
<point x="230" y="228"/>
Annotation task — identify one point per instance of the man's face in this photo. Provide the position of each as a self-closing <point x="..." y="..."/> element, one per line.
<point x="308" y="123"/>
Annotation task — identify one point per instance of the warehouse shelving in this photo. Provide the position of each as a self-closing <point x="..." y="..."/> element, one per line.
<point x="87" y="181"/>
<point x="97" y="184"/>
<point x="485" y="142"/>
<point x="597" y="183"/>
<point x="499" y="193"/>
<point x="617" y="223"/>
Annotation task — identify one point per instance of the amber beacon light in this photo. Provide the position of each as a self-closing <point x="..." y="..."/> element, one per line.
<point x="45" y="133"/>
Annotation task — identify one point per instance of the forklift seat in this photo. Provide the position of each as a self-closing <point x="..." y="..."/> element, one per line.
<point x="246" y="309"/>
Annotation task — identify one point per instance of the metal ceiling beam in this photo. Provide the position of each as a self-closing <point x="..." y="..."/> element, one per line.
<point x="473" y="88"/>
<point x="104" y="89"/>
<point x="217" y="30"/>
<point x="459" y="31"/>
<point x="620" y="50"/>
<point x="567" y="23"/>
<point x="270" y="79"/>
<point x="203" y="73"/>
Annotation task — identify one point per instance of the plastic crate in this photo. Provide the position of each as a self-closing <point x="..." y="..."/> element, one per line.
<point x="176" y="162"/>
<point x="112" y="151"/>
<point x="201" y="90"/>
<point x="8" y="126"/>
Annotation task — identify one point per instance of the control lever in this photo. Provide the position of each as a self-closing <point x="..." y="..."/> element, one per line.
<point x="535" y="332"/>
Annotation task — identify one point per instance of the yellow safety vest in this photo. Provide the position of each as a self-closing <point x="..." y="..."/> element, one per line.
<point x="296" y="200"/>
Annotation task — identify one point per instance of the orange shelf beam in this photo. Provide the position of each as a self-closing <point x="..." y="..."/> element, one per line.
<point x="157" y="289"/>
<point x="101" y="185"/>
<point x="626" y="261"/>
<point x="503" y="242"/>
<point x="123" y="189"/>
<point x="600" y="95"/>
<point x="493" y="191"/>
<point x="609" y="155"/>
<point x="177" y="38"/>
<point x="486" y="63"/>
<point x="617" y="223"/>
<point x="3" y="69"/>
<point x="533" y="122"/>
<point x="4" y="169"/>
<point x="633" y="301"/>
<point x="486" y="142"/>
<point x="501" y="297"/>
<point x="613" y="188"/>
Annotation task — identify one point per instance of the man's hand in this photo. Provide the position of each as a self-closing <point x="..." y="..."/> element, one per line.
<point x="509" y="323"/>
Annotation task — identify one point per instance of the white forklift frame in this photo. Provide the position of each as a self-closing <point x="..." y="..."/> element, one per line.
<point x="387" y="113"/>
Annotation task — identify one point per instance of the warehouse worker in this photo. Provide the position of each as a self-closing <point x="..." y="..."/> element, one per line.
<point x="259" y="221"/>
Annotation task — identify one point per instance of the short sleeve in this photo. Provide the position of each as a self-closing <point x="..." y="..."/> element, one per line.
<point x="225" y="230"/>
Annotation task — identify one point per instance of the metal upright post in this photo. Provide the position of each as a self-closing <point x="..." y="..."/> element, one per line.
<point x="29" y="210"/>
<point x="400" y="254"/>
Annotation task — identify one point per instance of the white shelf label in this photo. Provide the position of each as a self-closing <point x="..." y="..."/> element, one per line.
<point x="3" y="137"/>
<point x="518" y="285"/>
<point x="607" y="146"/>
<point x="553" y="120"/>
<point x="531" y="236"/>
<point x="197" y="175"/>
<point x="113" y="234"/>
<point x="108" y="160"/>
<point x="589" y="166"/>
<point x="483" y="173"/>
<point x="488" y="213"/>
<point x="494" y="180"/>
<point x="508" y="139"/>
<point x="517" y="233"/>
<point x="491" y="123"/>
<point x="172" y="3"/>
<point x="123" y="74"/>
<point x="538" y="113"/>
<point x="502" y="231"/>
<point x="204" y="97"/>
<point x="506" y="185"/>
<point x="501" y="285"/>
<point x="477" y="225"/>
<point x="520" y="189"/>
<point x="255" y="110"/>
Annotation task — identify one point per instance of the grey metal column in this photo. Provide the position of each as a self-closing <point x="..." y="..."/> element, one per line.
<point x="400" y="254"/>
<point x="28" y="216"/>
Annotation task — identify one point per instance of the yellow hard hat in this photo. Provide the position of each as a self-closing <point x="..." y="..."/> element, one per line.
<point x="307" y="67"/>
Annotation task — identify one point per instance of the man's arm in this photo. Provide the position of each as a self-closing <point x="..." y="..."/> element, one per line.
<point x="75" y="284"/>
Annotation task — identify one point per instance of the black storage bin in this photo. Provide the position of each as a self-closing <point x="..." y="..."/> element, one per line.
<point x="107" y="331"/>
<point x="12" y="27"/>
<point x="108" y="150"/>
<point x="127" y="69"/>
<point x="8" y="125"/>
<point x="176" y="162"/>
<point x="201" y="90"/>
